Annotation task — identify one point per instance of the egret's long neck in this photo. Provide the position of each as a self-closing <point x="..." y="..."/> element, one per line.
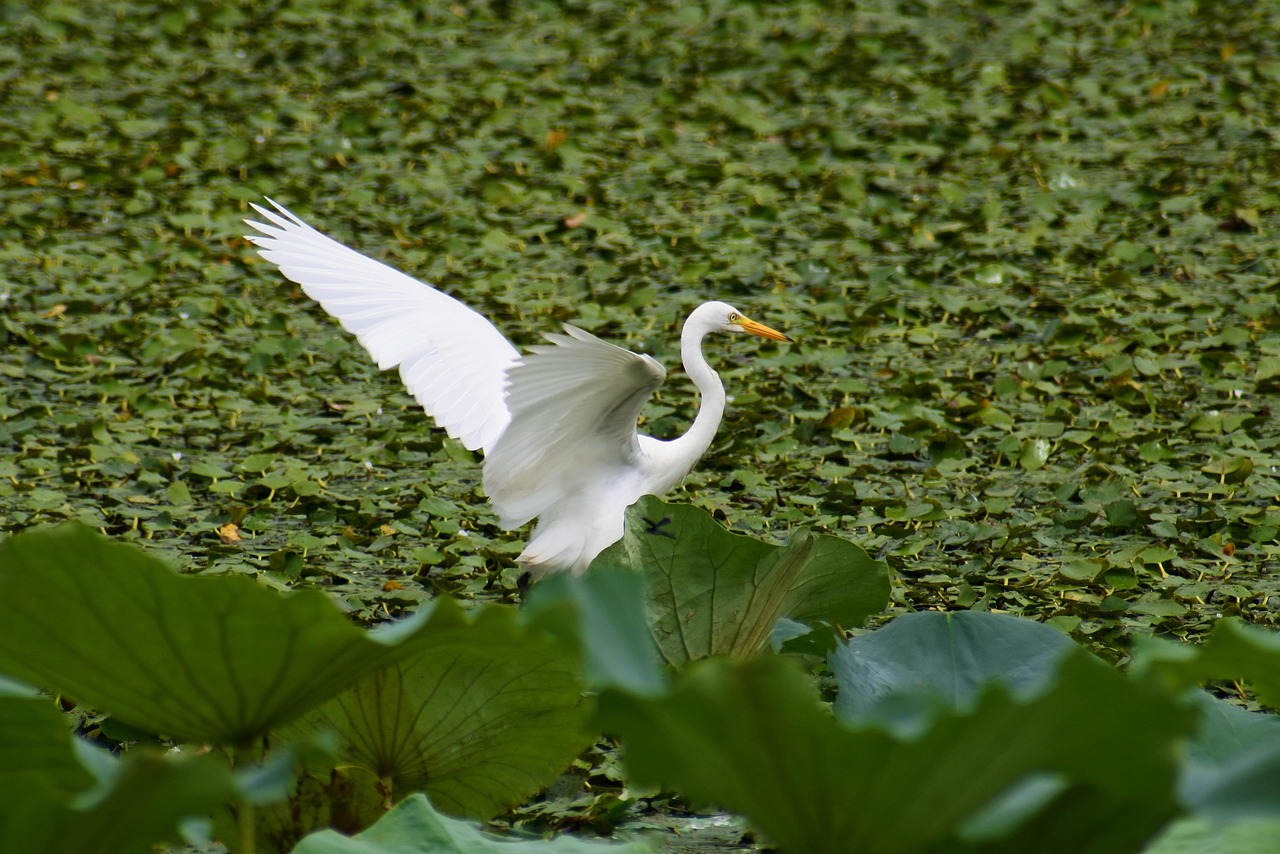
<point x="694" y="443"/>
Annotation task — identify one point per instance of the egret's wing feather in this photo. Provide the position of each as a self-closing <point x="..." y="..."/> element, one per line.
<point x="451" y="358"/>
<point x="574" y="405"/>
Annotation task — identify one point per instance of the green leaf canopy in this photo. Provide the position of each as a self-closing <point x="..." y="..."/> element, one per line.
<point x="215" y="659"/>
<point x="754" y="738"/>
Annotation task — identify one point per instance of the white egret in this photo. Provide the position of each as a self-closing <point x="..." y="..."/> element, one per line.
<point x="557" y="425"/>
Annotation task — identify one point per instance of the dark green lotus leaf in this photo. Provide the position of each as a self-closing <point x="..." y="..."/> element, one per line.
<point x="1232" y="767"/>
<point x="935" y="660"/>
<point x="148" y="798"/>
<point x="61" y="795"/>
<point x="1234" y="650"/>
<point x="216" y="658"/>
<point x="712" y="592"/>
<point x="754" y="738"/>
<point x="606" y="608"/>
<point x="488" y="711"/>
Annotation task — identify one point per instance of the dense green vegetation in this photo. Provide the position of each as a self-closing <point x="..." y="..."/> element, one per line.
<point x="1027" y="250"/>
<point x="289" y="728"/>
<point x="1024" y="247"/>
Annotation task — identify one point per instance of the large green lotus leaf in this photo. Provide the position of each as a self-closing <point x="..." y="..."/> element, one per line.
<point x="1079" y="818"/>
<point x="1232" y="770"/>
<point x="1201" y="836"/>
<point x="924" y="662"/>
<point x="754" y="738"/>
<point x="414" y="827"/>
<point x="148" y="799"/>
<point x="60" y="795"/>
<point x="712" y="592"/>
<point x="488" y="711"/>
<point x="606" y="608"/>
<point x="928" y="663"/>
<point x="1233" y="650"/>
<point x="35" y="748"/>
<point x="1232" y="767"/>
<point x="219" y="659"/>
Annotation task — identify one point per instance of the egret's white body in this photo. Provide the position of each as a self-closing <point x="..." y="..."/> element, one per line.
<point x="557" y="426"/>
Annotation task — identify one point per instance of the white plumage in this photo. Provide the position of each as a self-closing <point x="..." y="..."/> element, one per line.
<point x="557" y="425"/>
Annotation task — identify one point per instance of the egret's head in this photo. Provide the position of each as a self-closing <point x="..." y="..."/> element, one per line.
<point x="722" y="317"/>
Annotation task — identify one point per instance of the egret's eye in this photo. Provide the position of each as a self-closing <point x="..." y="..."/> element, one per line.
<point x="734" y="318"/>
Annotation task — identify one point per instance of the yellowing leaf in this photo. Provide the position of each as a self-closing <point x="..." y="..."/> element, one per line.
<point x="555" y="138"/>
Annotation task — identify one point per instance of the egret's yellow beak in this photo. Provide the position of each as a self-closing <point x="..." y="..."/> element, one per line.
<point x="761" y="330"/>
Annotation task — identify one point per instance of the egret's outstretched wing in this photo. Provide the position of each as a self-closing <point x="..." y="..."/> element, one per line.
<point x="451" y="359"/>
<point x="574" y="405"/>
